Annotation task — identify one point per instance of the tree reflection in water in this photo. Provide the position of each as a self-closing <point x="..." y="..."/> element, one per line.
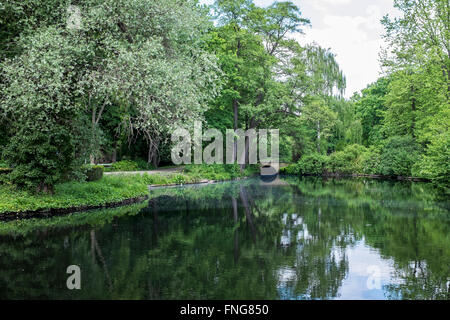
<point x="287" y="239"/>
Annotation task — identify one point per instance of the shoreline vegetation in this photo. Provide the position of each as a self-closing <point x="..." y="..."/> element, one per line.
<point x="359" y="175"/>
<point x="21" y="224"/>
<point x="108" y="192"/>
<point x="77" y="100"/>
<point x="124" y="189"/>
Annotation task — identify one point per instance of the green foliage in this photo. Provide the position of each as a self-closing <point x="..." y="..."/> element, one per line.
<point x="39" y="93"/>
<point x="370" y="161"/>
<point x="24" y="16"/>
<point x="312" y="164"/>
<point x="117" y="88"/>
<point x="156" y="179"/>
<point x="321" y="119"/>
<point x="5" y="170"/>
<point x="130" y="165"/>
<point x="291" y="169"/>
<point x="418" y="97"/>
<point x="92" y="172"/>
<point x="143" y="165"/>
<point x="398" y="156"/>
<point x="109" y="189"/>
<point x="218" y="172"/>
<point x="347" y="161"/>
<point x="370" y="108"/>
<point x="136" y="67"/>
<point x="125" y="165"/>
<point x="435" y="163"/>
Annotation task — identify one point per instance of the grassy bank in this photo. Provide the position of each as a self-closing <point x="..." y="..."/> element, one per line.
<point x="199" y="173"/>
<point x="73" y="194"/>
<point x="110" y="189"/>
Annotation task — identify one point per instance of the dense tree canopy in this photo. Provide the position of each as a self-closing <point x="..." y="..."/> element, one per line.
<point x="99" y="81"/>
<point x="143" y="63"/>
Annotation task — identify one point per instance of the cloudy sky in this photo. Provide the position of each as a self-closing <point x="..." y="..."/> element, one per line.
<point x="351" y="29"/>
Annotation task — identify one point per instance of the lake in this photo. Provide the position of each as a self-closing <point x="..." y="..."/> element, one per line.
<point x="289" y="238"/>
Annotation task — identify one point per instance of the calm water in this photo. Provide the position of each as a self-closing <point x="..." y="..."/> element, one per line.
<point x="288" y="239"/>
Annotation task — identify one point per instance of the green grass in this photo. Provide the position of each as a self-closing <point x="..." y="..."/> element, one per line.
<point x="73" y="194"/>
<point x="219" y="172"/>
<point x="111" y="189"/>
<point x="198" y="173"/>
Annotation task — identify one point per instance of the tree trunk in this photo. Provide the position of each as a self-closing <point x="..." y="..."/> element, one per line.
<point x="45" y="188"/>
<point x="318" y="137"/>
<point x="114" y="154"/>
<point x="153" y="154"/>
<point x="91" y="156"/>
<point x="252" y="125"/>
<point x="236" y="119"/>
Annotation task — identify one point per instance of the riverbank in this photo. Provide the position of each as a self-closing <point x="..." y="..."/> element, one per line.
<point x="111" y="191"/>
<point x="71" y="197"/>
<point x="294" y="170"/>
<point x="371" y="176"/>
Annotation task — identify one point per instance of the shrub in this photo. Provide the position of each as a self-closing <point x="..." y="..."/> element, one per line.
<point x="292" y="169"/>
<point x="110" y="189"/>
<point x="38" y="91"/>
<point x="398" y="156"/>
<point x="435" y="164"/>
<point x="5" y="170"/>
<point x="4" y="178"/>
<point x="93" y="173"/>
<point x="313" y="164"/>
<point x="125" y="165"/>
<point x="370" y="161"/>
<point x="214" y="171"/>
<point x="155" y="179"/>
<point x="144" y="165"/>
<point x="179" y="178"/>
<point x="348" y="161"/>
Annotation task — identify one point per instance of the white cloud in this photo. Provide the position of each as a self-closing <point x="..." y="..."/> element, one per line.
<point x="351" y="29"/>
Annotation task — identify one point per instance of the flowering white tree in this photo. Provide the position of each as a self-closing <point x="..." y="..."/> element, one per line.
<point x="145" y="57"/>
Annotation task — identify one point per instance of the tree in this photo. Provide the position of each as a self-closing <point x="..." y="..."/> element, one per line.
<point x="419" y="61"/>
<point x="145" y="58"/>
<point x="420" y="35"/>
<point x="398" y="156"/>
<point x="321" y="118"/>
<point x="370" y="108"/>
<point x="153" y="63"/>
<point x="252" y="38"/>
<point x="39" y="101"/>
<point x="23" y="17"/>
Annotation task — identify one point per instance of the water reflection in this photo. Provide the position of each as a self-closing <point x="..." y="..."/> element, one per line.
<point x="285" y="239"/>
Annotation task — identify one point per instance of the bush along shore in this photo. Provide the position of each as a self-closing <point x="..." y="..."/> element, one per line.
<point x="71" y="197"/>
<point x="358" y="161"/>
<point x="106" y="192"/>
